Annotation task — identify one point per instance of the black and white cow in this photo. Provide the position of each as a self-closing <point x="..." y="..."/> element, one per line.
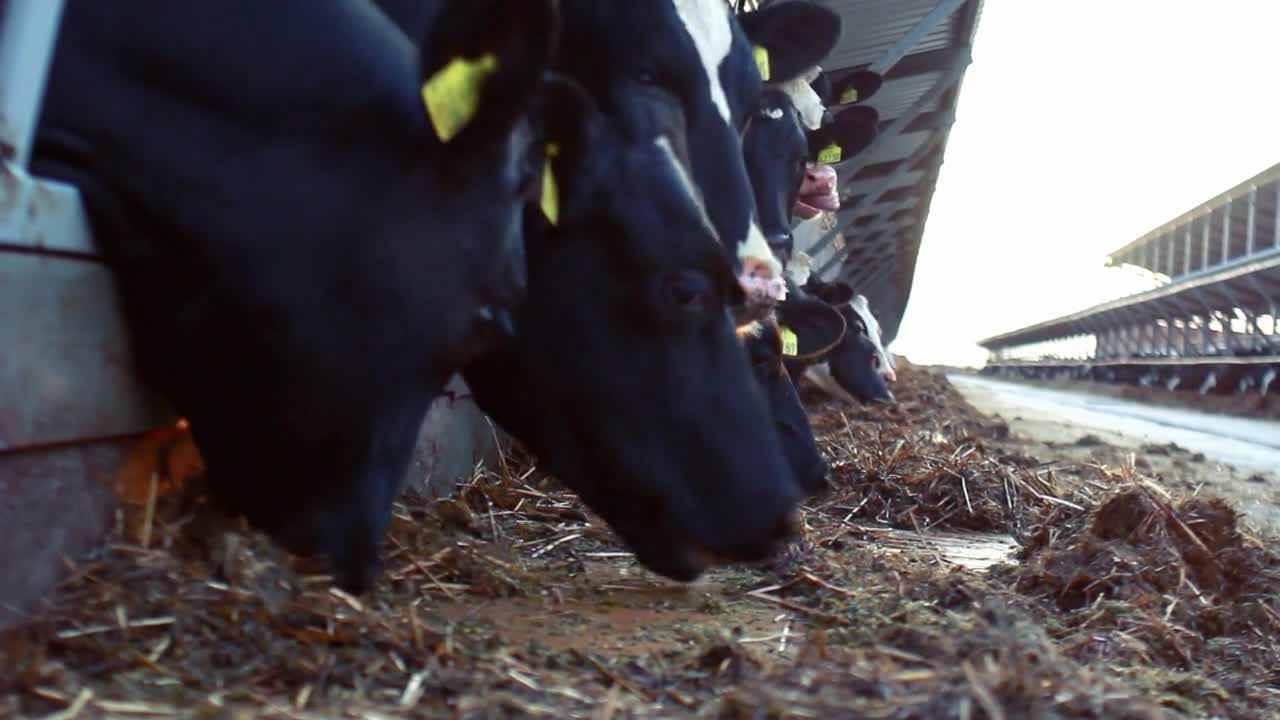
<point x="788" y="152"/>
<point x="855" y="369"/>
<point x="625" y="377"/>
<point x="813" y="330"/>
<point x="684" y="74"/>
<point x="779" y="162"/>
<point x="311" y="224"/>
<point x="660" y="65"/>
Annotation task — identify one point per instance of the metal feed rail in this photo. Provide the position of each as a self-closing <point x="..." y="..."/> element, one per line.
<point x="65" y="372"/>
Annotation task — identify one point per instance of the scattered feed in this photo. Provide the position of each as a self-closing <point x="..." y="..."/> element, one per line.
<point x="511" y="600"/>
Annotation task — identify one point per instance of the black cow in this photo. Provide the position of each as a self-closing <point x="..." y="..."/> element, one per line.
<point x="813" y="329"/>
<point x="853" y="370"/>
<point x="312" y="226"/>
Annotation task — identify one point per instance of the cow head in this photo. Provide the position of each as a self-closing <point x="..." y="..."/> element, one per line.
<point x="626" y="378"/>
<point x="884" y="361"/>
<point x="688" y="69"/>
<point x="810" y="329"/>
<point x="272" y="273"/>
<point x="852" y="370"/>
<point x="849" y="133"/>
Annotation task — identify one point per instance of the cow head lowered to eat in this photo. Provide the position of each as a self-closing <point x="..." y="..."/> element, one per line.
<point x="311" y="225"/>
<point x="813" y="328"/>
<point x="854" y="369"/>
<point x="688" y="69"/>
<point x="625" y="377"/>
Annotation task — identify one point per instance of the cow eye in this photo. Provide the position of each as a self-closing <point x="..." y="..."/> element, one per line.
<point x="647" y="76"/>
<point x="688" y="290"/>
<point x="875" y="362"/>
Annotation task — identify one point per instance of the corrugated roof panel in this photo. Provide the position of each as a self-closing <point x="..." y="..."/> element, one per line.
<point x="873" y="26"/>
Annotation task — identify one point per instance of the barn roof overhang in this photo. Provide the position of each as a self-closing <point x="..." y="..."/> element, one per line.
<point x="1251" y="284"/>
<point x="923" y="49"/>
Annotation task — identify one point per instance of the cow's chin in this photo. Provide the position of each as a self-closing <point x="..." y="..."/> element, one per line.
<point x="809" y="206"/>
<point x="681" y="564"/>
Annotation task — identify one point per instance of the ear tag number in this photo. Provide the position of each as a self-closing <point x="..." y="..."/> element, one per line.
<point x="849" y="96"/>
<point x="830" y="154"/>
<point x="452" y="94"/>
<point x="762" y="61"/>
<point x="550" y="191"/>
<point x="790" y="345"/>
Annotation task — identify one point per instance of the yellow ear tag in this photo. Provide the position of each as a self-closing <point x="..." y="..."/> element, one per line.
<point x="452" y="94"/>
<point x="790" y="345"/>
<point x="830" y="154"/>
<point x="849" y="96"/>
<point x="550" y="193"/>
<point x="762" y="62"/>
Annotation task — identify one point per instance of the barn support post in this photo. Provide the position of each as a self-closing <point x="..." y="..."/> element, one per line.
<point x="1224" y="255"/>
<point x="1251" y="220"/>
<point x="890" y="57"/>
<point x="1204" y="240"/>
<point x="1186" y="249"/>
<point x="27" y="38"/>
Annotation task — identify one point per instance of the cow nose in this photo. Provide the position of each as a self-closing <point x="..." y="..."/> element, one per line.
<point x="785" y="528"/>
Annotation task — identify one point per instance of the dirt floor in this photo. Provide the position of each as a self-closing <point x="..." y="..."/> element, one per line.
<point x="956" y="569"/>
<point x="1257" y="494"/>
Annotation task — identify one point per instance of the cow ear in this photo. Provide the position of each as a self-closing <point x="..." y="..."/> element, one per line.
<point x="858" y="86"/>
<point x="816" y="327"/>
<point x="570" y="122"/>
<point x="849" y="134"/>
<point x="790" y="38"/>
<point x="482" y="63"/>
<point x="822" y="86"/>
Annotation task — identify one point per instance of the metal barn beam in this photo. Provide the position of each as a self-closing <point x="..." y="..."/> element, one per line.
<point x="27" y="38"/>
<point x="913" y="36"/>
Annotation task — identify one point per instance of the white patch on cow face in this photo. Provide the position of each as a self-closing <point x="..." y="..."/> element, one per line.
<point x="807" y="102"/>
<point x="772" y="113"/>
<point x="686" y="182"/>
<point x="863" y="309"/>
<point x="761" y="272"/>
<point x="752" y="329"/>
<point x="799" y="268"/>
<point x="707" y="22"/>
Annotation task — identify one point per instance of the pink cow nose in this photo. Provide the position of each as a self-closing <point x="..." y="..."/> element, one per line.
<point x="820" y="179"/>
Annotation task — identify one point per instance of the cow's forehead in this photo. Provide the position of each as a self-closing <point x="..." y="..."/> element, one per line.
<point x="708" y="24"/>
<point x="684" y="182"/>
<point x="806" y="101"/>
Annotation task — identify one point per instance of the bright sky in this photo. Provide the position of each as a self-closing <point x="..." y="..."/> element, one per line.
<point x="1080" y="127"/>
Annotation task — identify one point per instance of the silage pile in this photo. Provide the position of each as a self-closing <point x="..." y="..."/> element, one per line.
<point x="1122" y="602"/>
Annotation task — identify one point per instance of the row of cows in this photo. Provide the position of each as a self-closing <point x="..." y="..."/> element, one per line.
<point x="1219" y="371"/>
<point x="318" y="212"/>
